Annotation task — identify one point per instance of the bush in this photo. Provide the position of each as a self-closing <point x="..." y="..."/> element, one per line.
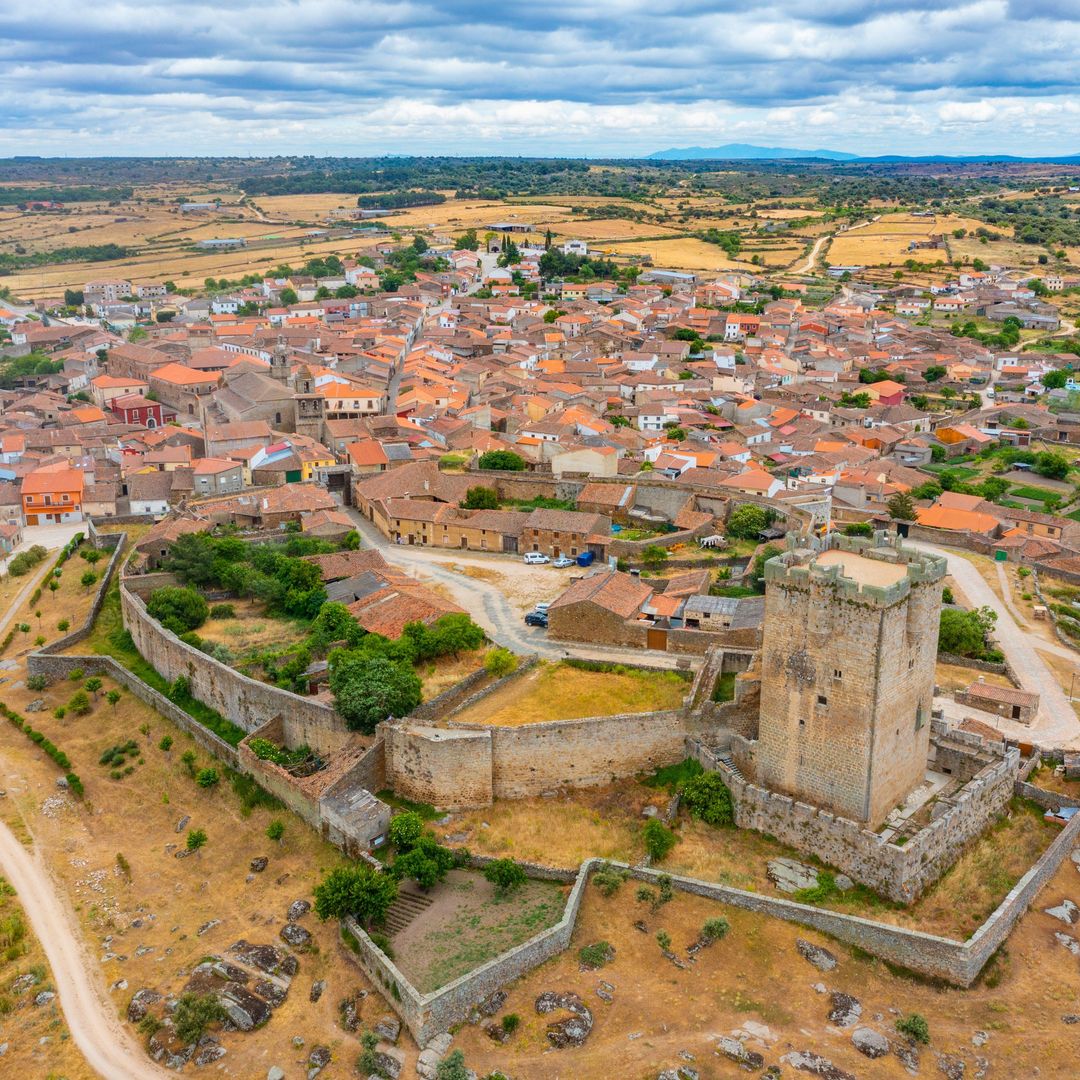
<point x="76" y="674"/>
<point x="63" y="626"/>
<point x="707" y="797"/>
<point x="659" y="839"/>
<point x="480" y="498"/>
<point x="275" y="830"/>
<point x="59" y="712"/>
<point x="188" y="758"/>
<point x="663" y="939"/>
<point x="195" y="1013"/>
<point x="859" y="528"/>
<point x="79" y="704"/>
<point x="427" y="863"/>
<point x="196" y="838"/>
<point x="25" y="561"/>
<point x="747" y="520"/>
<point x="715" y="929"/>
<point x="207" y="778"/>
<point x="355" y="889"/>
<point x="915" y="1027"/>
<point x="223" y="611"/>
<point x="608" y="879"/>
<point x="178" y="608"/>
<point x="502" y="459"/>
<point x="505" y="875"/>
<point x="510" y="1023"/>
<point x="654" y="556"/>
<point x="367" y="691"/>
<point x="452" y="1067"/>
<point x="166" y="743"/>
<point x="500" y="662"/>
<point x="596" y="955"/>
<point x="37" y="682"/>
<point x="88" y="579"/>
<point x="406" y="829"/>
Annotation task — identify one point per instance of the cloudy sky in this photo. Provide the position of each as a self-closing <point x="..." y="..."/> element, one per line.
<point x="600" y="78"/>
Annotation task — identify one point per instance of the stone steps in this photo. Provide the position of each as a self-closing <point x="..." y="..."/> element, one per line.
<point x="729" y="761"/>
<point x="406" y="907"/>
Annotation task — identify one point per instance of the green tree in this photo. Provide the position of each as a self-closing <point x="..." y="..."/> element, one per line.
<point x="93" y="684"/>
<point x="358" y="890"/>
<point x="500" y="662"/>
<point x="79" y="703"/>
<point x="426" y="863"/>
<point x="859" y="528"/>
<point x="406" y="829"/>
<point x="207" y="778"/>
<point x="367" y="690"/>
<point x="659" y="839"/>
<point x="112" y="697"/>
<point x="505" y="875"/>
<point x="901" y="506"/>
<point x="1051" y="464"/>
<point x="502" y="459"/>
<point x="468" y="241"/>
<point x="654" y="556"/>
<point x="481" y="498"/>
<point x="88" y="579"/>
<point x="963" y="633"/>
<point x="1055" y="380"/>
<point x="747" y="520"/>
<point x="419" y="244"/>
<point x="178" y="608"/>
<point x="707" y="797"/>
<point x="194" y="1014"/>
<point x="934" y="372"/>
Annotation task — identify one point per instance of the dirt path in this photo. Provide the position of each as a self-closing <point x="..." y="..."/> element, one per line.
<point x="106" y="1045"/>
<point x="1056" y="723"/>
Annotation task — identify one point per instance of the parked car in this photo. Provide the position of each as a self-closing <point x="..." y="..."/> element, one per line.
<point x="562" y="562"/>
<point x="535" y="558"/>
<point x="537" y="618"/>
<point x="542" y="607"/>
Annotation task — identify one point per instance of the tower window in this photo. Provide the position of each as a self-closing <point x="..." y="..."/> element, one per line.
<point x="822" y="699"/>
<point x="911" y="663"/>
<point x="837" y="673"/>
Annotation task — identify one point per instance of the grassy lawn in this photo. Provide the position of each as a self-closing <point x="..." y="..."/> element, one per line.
<point x="469" y="924"/>
<point x="962" y="471"/>
<point x="562" y="691"/>
<point x="725" y="687"/>
<point x="1036" y="494"/>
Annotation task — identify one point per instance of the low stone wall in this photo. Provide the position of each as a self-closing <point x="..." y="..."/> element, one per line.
<point x="969" y="662"/>
<point x="901" y="873"/>
<point x="246" y="702"/>
<point x="427" y="1015"/>
<point x="1049" y="800"/>
<point x="633" y="550"/>
<point x="59" y="667"/>
<point x="467" y="701"/>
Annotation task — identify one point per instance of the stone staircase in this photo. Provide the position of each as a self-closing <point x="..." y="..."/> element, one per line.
<point x="404" y="909"/>
<point x="729" y="761"/>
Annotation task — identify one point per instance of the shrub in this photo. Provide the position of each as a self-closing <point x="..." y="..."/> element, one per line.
<point x="194" y="1013"/>
<point x="75" y="674"/>
<point x="510" y="1023"/>
<point x="715" y="929"/>
<point x="748" y="520"/>
<point x="88" y="579"/>
<point x="123" y="865"/>
<point x="178" y="608"/>
<point x="659" y="839"/>
<point x="406" y="830"/>
<point x="223" y="611"/>
<point x="382" y="943"/>
<point x="207" y="778"/>
<point x="859" y="528"/>
<point x="275" y="830"/>
<point x="707" y="797"/>
<point x="37" y="682"/>
<point x="166" y="743"/>
<point x="79" y="704"/>
<point x="915" y="1027"/>
<point x="505" y="875"/>
<point x="93" y="685"/>
<point x="500" y="662"/>
<point x="196" y="838"/>
<point x="63" y="626"/>
<point x="452" y="1067"/>
<point x="355" y="889"/>
<point x="663" y="939"/>
<point x="596" y="955"/>
<point x="608" y="879"/>
<point x="188" y="758"/>
<point x="502" y="459"/>
<point x="59" y="712"/>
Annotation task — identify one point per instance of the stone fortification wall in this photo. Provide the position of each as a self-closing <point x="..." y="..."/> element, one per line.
<point x="448" y="768"/>
<point x="247" y="702"/>
<point x="901" y="873"/>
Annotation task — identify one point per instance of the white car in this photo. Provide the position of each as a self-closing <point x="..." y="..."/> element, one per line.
<point x="562" y="562"/>
<point x="536" y="558"/>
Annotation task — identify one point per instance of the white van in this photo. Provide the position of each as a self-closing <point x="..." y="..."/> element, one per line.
<point x="535" y="558"/>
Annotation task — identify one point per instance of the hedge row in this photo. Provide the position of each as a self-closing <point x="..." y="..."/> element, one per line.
<point x="58" y="755"/>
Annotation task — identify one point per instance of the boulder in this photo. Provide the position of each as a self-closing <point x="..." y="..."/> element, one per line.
<point x="387" y="1065"/>
<point x="845" y="1010"/>
<point x="815" y="1065"/>
<point x="44" y="998"/>
<point x="295" y="935"/>
<point x="258" y="865"/>
<point x="317" y="988"/>
<point x="907" y="1053"/>
<point x="1067" y="912"/>
<point x="951" y="1066"/>
<point x="388" y="1028"/>
<point x="297" y="910"/>
<point x="1068" y="941"/>
<point x="572" y="1031"/>
<point x="209" y="1050"/>
<point x="266" y="958"/>
<point x="182" y="824"/>
<point x="207" y="926"/>
<point x="244" y="1009"/>
<point x="790" y="875"/>
<point x="140" y="1004"/>
<point x="274" y="994"/>
<point x="492" y="1003"/>
<point x="869" y="1042"/>
<point x="275" y="1072"/>
<point x="164" y="1048"/>
<point x="820" y="957"/>
<point x="349" y="1012"/>
<point x="734" y="1050"/>
<point x="317" y="1060"/>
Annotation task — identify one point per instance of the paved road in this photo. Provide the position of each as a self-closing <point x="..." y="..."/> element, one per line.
<point x="107" y="1046"/>
<point x="1057" y="723"/>
<point x="487" y="604"/>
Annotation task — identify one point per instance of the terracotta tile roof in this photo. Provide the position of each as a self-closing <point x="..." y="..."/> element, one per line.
<point x="614" y="591"/>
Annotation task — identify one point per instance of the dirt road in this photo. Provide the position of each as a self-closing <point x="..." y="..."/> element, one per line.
<point x="98" y="1033"/>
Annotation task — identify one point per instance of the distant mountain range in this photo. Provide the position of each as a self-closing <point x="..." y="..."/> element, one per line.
<point x="744" y="151"/>
<point x="749" y="152"/>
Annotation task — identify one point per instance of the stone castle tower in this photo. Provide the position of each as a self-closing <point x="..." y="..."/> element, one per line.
<point x="847" y="674"/>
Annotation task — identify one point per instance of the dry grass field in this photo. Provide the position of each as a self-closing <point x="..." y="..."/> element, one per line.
<point x="560" y="692"/>
<point x="681" y="253"/>
<point x="753" y="982"/>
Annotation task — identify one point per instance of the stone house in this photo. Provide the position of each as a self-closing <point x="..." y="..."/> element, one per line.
<point x="1019" y="705"/>
<point x="600" y="609"/>
<point x="565" y="532"/>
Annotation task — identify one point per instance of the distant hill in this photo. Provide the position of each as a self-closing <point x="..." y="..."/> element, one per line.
<point x="744" y="151"/>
